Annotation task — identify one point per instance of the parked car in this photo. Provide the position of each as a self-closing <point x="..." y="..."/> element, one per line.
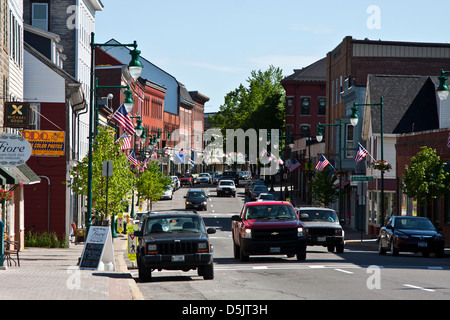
<point x="187" y="179"/>
<point x="204" y="178"/>
<point x="168" y="193"/>
<point x="196" y="199"/>
<point x="268" y="228"/>
<point x="175" y="182"/>
<point x="226" y="187"/>
<point x="410" y="234"/>
<point x="265" y="197"/>
<point x="322" y="228"/>
<point x="257" y="190"/>
<point x="174" y="241"/>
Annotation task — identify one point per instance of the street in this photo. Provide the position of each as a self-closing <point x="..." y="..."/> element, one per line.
<point x="360" y="273"/>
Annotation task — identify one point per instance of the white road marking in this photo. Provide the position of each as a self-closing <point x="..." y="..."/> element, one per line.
<point x="344" y="271"/>
<point x="418" y="288"/>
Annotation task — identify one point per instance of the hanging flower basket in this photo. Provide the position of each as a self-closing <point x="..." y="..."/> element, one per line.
<point x="382" y="165"/>
<point x="5" y="195"/>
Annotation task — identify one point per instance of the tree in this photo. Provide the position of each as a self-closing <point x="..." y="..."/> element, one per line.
<point x="151" y="184"/>
<point x="426" y="180"/>
<point x="120" y="185"/>
<point x="322" y="188"/>
<point x="259" y="106"/>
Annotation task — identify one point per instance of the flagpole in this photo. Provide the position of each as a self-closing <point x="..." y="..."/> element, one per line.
<point x="367" y="152"/>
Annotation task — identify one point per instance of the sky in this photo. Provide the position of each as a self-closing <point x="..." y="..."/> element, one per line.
<point x="212" y="46"/>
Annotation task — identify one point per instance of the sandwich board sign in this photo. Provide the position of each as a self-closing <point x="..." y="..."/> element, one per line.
<point x="98" y="249"/>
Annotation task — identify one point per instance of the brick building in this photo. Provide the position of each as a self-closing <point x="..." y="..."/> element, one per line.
<point x="407" y="146"/>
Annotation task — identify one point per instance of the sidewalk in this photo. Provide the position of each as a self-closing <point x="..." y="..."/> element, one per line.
<point x="52" y="274"/>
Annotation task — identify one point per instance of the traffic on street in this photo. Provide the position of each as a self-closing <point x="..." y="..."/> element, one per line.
<point x="359" y="272"/>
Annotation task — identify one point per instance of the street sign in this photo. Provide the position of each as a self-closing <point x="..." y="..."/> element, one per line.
<point x="361" y="178"/>
<point x="132" y="242"/>
<point x="120" y="222"/>
<point x="107" y="169"/>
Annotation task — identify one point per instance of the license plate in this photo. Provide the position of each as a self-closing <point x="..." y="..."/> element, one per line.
<point x="423" y="244"/>
<point x="177" y="258"/>
<point x="275" y="250"/>
<point x="321" y="239"/>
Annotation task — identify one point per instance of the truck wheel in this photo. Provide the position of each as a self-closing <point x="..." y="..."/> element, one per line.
<point x="301" y="256"/>
<point x="243" y="256"/>
<point x="340" y="248"/>
<point x="208" y="272"/>
<point x="236" y="251"/>
<point x="145" y="275"/>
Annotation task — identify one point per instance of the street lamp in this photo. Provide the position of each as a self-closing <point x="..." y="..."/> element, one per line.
<point x="381" y="104"/>
<point x="128" y="102"/>
<point x="443" y="90"/>
<point x="135" y="68"/>
<point x="320" y="127"/>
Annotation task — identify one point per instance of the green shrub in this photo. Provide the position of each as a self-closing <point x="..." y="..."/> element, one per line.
<point x="44" y="240"/>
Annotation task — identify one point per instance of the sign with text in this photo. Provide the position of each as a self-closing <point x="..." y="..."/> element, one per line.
<point x="14" y="150"/>
<point x="98" y="248"/>
<point x="16" y="115"/>
<point x="46" y="143"/>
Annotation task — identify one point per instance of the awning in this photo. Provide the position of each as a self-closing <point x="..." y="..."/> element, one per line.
<point x="18" y="175"/>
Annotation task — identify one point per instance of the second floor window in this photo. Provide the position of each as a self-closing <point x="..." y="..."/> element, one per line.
<point x="305" y="107"/>
<point x="322" y="107"/>
<point x="39" y="16"/>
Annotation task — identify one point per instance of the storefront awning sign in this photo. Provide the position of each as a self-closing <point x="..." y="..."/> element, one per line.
<point x="14" y="150"/>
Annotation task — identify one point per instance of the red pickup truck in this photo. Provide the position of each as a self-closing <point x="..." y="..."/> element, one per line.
<point x="187" y="178"/>
<point x="268" y="228"/>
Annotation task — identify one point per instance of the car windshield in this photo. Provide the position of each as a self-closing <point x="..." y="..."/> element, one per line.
<point x="195" y="194"/>
<point x="320" y="215"/>
<point x="274" y="211"/>
<point x="260" y="188"/>
<point x="267" y="196"/>
<point x="226" y="183"/>
<point x="204" y="175"/>
<point x="414" y="224"/>
<point x="175" y="224"/>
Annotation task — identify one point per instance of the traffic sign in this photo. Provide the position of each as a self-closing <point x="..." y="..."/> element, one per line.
<point x="362" y="178"/>
<point x="120" y="222"/>
<point x="132" y="242"/>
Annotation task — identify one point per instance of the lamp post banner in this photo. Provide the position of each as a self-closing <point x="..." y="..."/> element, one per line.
<point x="14" y="150"/>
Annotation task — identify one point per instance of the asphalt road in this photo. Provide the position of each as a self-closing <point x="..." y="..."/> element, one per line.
<point x="360" y="273"/>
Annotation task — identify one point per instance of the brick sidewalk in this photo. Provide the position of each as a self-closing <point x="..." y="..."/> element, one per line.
<point x="52" y="274"/>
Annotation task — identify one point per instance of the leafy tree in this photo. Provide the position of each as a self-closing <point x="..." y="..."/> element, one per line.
<point x="259" y="106"/>
<point x="322" y="188"/>
<point x="120" y="185"/>
<point x="426" y="180"/>
<point x="151" y="184"/>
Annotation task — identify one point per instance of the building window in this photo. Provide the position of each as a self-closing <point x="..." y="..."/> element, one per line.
<point x="350" y="142"/>
<point x="305" y="107"/>
<point x="305" y="130"/>
<point x="322" y="111"/>
<point x="290" y="105"/>
<point x="39" y="16"/>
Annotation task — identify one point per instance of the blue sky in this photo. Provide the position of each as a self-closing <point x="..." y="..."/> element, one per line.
<point x="212" y="46"/>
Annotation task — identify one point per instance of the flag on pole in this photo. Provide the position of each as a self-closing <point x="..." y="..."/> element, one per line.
<point x="293" y="165"/>
<point x="361" y="154"/>
<point x="126" y="142"/>
<point x="181" y="156"/>
<point x="322" y="164"/>
<point x="154" y="155"/>
<point x="121" y="117"/>
<point x="132" y="158"/>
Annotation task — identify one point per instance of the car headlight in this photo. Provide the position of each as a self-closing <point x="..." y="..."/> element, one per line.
<point x="202" y="247"/>
<point x="205" y="203"/>
<point x="246" y="233"/>
<point x="152" y="249"/>
<point x="402" y="236"/>
<point x="338" y="232"/>
<point x="187" y="202"/>
<point x="300" y="231"/>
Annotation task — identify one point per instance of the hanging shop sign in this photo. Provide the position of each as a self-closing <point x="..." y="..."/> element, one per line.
<point x="14" y="150"/>
<point x="46" y="143"/>
<point x="16" y="115"/>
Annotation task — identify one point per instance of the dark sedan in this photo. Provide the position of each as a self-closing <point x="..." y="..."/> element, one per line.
<point x="410" y="234"/>
<point x="196" y="199"/>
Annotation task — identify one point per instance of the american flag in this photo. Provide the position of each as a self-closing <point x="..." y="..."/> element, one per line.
<point x="293" y="165"/>
<point x="361" y="154"/>
<point x="132" y="158"/>
<point x="121" y="117"/>
<point x="181" y="156"/>
<point x="322" y="164"/>
<point x="154" y="155"/>
<point x="126" y="142"/>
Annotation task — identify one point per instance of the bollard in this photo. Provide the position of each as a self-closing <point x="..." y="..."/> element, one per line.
<point x="2" y="243"/>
